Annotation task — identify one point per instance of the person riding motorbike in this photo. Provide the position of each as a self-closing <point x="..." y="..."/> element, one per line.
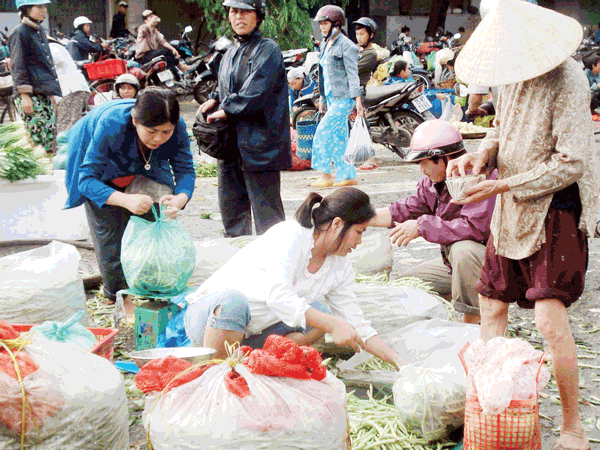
<point x="80" y="45"/>
<point x="151" y="43"/>
<point x="369" y="56"/>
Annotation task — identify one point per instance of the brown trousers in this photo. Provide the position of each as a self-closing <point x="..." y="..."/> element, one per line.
<point x="458" y="284"/>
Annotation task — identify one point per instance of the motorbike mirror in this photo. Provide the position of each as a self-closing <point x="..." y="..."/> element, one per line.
<point x="457" y="36"/>
<point x="188" y="29"/>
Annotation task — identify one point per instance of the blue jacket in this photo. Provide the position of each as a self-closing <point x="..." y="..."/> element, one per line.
<point x="32" y="66"/>
<point x="80" y="46"/>
<point x="342" y="69"/>
<point x="255" y="99"/>
<point x="104" y="146"/>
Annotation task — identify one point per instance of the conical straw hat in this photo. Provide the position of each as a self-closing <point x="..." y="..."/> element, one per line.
<point x="517" y="41"/>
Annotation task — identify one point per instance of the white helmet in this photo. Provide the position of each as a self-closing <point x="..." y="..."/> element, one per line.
<point x="81" y="20"/>
<point x="445" y="55"/>
<point x="127" y="78"/>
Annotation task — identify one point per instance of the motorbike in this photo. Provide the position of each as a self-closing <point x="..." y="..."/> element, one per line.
<point x="394" y="111"/>
<point x="294" y="58"/>
<point x="184" y="46"/>
<point x="208" y="69"/>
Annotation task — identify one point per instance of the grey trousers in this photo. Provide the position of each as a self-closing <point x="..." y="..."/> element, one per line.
<point x="243" y="195"/>
<point x="458" y="284"/>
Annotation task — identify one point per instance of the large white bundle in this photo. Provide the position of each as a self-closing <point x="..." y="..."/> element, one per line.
<point x="84" y="393"/>
<point x="280" y="413"/>
<point x="41" y="284"/>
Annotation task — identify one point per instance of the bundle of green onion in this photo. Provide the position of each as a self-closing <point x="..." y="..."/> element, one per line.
<point x="19" y="159"/>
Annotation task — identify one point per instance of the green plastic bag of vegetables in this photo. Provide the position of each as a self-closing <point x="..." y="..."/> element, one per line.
<point x="158" y="257"/>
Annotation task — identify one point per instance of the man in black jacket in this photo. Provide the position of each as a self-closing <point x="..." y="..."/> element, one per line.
<point x="252" y="96"/>
<point x="80" y="45"/>
<point x="119" y="27"/>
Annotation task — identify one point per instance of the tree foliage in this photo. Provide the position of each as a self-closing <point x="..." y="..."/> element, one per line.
<point x="287" y="21"/>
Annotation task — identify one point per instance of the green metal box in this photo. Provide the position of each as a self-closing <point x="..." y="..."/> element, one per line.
<point x="151" y="319"/>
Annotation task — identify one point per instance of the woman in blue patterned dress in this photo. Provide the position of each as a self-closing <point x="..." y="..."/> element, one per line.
<point x="339" y="88"/>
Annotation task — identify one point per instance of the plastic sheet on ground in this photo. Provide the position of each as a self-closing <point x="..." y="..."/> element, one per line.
<point x="373" y="255"/>
<point x="429" y="343"/>
<point x="79" y="397"/>
<point x="41" y="284"/>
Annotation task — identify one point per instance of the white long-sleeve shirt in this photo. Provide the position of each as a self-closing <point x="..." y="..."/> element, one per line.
<point x="272" y="273"/>
<point x="69" y="76"/>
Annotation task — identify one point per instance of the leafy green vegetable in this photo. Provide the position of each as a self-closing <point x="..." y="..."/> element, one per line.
<point x="206" y="170"/>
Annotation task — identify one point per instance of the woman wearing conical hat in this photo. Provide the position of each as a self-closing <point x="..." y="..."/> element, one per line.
<point x="546" y="209"/>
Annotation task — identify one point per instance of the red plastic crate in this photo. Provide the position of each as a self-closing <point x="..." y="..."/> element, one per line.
<point x="110" y="68"/>
<point x="105" y="346"/>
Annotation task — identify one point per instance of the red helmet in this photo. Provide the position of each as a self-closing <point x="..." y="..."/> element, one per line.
<point x="434" y="138"/>
<point x="333" y="13"/>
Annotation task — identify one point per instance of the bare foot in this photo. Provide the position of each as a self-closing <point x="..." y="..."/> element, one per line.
<point x="468" y="318"/>
<point x="572" y="440"/>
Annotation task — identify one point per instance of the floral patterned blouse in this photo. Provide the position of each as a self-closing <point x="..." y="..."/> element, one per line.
<point x="542" y="143"/>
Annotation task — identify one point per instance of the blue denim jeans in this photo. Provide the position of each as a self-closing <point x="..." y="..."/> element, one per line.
<point x="234" y="316"/>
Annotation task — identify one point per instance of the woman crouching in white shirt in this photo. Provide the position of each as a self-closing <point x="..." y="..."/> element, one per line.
<point x="293" y="281"/>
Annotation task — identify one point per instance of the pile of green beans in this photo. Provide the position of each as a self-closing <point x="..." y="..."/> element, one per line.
<point x="375" y="424"/>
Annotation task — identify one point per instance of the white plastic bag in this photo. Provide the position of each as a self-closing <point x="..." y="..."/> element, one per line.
<point x="373" y="255"/>
<point x="279" y="413"/>
<point x="430" y="402"/>
<point x="360" y="147"/>
<point x="86" y="395"/>
<point x="41" y="284"/>
<point x="446" y="109"/>
<point x="214" y="253"/>
<point x="502" y="370"/>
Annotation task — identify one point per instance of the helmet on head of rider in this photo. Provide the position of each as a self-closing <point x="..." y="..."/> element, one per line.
<point x="333" y="13"/>
<point x="434" y="138"/>
<point x="80" y="21"/>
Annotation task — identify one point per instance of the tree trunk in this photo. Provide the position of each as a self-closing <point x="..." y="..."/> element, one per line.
<point x="437" y="16"/>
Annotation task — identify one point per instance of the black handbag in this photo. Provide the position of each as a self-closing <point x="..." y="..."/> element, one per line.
<point x="212" y="137"/>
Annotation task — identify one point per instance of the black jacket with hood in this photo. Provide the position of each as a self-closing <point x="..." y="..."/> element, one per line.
<point x="255" y="99"/>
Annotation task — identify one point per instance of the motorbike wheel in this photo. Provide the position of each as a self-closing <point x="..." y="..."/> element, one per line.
<point x="98" y="88"/>
<point x="202" y="89"/>
<point x="301" y="113"/>
<point x="408" y="120"/>
<point x="426" y="81"/>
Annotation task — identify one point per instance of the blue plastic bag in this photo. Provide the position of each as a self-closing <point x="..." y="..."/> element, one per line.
<point x="69" y="332"/>
<point x="158" y="258"/>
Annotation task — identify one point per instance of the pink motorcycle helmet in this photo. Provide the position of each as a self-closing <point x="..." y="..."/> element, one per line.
<point x="434" y="138"/>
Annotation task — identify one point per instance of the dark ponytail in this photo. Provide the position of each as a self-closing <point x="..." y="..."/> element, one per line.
<point x="351" y="205"/>
<point x="304" y="214"/>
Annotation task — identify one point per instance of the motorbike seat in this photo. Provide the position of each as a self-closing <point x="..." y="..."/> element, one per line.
<point x="150" y="63"/>
<point x="376" y="94"/>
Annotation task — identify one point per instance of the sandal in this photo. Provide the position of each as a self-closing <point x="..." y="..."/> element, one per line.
<point x="322" y="183"/>
<point x="352" y="182"/>
<point x="369" y="166"/>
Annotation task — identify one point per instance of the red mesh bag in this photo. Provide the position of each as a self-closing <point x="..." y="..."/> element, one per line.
<point x="312" y="360"/>
<point x="7" y="332"/>
<point x="26" y="365"/>
<point x="283" y="348"/>
<point x="246" y="350"/>
<point x="236" y="384"/>
<point x="157" y="374"/>
<point x="263" y="363"/>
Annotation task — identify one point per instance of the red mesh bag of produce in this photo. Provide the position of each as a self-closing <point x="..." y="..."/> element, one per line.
<point x="311" y="358"/>
<point x="7" y="332"/>
<point x="263" y="363"/>
<point x="157" y="374"/>
<point x="283" y="349"/>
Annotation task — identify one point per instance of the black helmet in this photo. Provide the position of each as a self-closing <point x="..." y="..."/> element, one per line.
<point x="367" y="23"/>
<point x="333" y="13"/>
<point x="256" y="5"/>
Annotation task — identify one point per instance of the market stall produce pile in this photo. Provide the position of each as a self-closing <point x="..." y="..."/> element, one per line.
<point x="19" y="159"/>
